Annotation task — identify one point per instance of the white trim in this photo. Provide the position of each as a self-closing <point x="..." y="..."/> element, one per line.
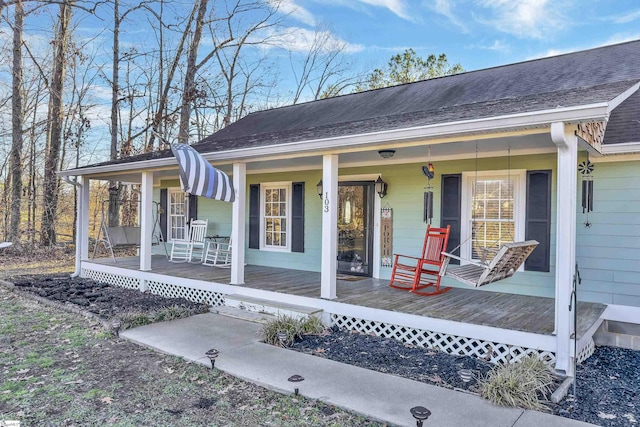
<point x="518" y="177"/>
<point x="239" y="211"/>
<point x="622" y="313"/>
<point x="624" y="148"/>
<point x="146" y="220"/>
<point x="580" y="113"/>
<point x="269" y="186"/>
<point x="623" y="97"/>
<point x="329" y="208"/>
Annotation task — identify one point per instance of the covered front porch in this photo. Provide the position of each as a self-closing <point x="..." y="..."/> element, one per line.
<point x="493" y="325"/>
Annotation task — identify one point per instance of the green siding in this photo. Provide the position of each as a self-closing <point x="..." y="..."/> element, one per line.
<point x="608" y="253"/>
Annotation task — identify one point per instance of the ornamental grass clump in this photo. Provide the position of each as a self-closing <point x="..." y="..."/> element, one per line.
<point x="294" y="328"/>
<point x="522" y="385"/>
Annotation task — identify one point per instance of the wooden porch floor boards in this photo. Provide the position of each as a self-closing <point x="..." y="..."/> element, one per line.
<point x="467" y="305"/>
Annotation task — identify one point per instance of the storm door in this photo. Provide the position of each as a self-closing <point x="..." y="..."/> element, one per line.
<point x="355" y="228"/>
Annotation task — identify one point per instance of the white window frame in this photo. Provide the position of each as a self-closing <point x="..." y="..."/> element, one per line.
<point x="170" y="228"/>
<point x="519" y="179"/>
<point x="287" y="185"/>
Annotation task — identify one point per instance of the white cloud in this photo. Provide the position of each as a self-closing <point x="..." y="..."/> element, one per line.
<point x="398" y="7"/>
<point x="498" y="46"/>
<point x="443" y="7"/>
<point x="298" y="39"/>
<point x="627" y="17"/>
<point x="295" y="11"/>
<point x="527" y="19"/>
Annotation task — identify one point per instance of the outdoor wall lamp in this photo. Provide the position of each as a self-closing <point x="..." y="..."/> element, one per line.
<point x="319" y="188"/>
<point x="381" y="187"/>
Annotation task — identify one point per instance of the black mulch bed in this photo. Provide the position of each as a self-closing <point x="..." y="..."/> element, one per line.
<point x="104" y="300"/>
<point x="608" y="386"/>
<point x="607" y="389"/>
<point x="393" y="357"/>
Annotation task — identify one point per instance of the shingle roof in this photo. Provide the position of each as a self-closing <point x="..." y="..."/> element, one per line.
<point x="580" y="78"/>
<point x="526" y="86"/>
<point x="624" y="123"/>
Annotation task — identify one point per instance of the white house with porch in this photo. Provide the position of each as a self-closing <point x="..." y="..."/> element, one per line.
<point x="311" y="229"/>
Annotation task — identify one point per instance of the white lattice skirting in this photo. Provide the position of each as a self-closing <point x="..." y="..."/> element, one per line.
<point x="462" y="346"/>
<point x="164" y="289"/>
<point x="112" y="279"/>
<point x="176" y="291"/>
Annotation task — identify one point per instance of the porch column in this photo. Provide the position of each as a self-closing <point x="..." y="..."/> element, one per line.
<point x="238" y="223"/>
<point x="329" y="226"/>
<point x="146" y="220"/>
<point x="567" y="144"/>
<point x="82" y="224"/>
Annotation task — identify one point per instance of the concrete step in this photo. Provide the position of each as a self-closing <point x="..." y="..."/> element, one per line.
<point x="273" y="308"/>
<point x="238" y="313"/>
<point x="618" y="334"/>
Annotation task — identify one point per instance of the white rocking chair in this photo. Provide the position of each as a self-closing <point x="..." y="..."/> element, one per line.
<point x="183" y="250"/>
<point x="504" y="264"/>
<point x="218" y="254"/>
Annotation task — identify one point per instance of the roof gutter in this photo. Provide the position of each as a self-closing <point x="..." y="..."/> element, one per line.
<point x="591" y="112"/>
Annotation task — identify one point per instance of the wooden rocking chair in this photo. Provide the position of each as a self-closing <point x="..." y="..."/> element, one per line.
<point x="504" y="264"/>
<point x="414" y="273"/>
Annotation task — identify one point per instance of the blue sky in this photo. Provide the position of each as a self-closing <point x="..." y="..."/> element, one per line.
<point x="475" y="33"/>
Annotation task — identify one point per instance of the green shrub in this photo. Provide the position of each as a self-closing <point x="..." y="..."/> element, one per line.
<point x="295" y="328"/>
<point x="523" y="385"/>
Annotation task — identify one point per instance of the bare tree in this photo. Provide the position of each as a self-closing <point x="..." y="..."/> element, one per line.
<point x="15" y="164"/>
<point x="54" y="140"/>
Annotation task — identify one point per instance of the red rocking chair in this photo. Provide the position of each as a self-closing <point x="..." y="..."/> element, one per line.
<point x="417" y="273"/>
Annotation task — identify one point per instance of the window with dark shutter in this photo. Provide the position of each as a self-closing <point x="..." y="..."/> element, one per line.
<point x="297" y="217"/>
<point x="193" y="207"/>
<point x="450" y="213"/>
<point x="538" y="219"/>
<point x="254" y="216"/>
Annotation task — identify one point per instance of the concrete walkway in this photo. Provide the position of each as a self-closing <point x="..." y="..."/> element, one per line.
<point x="375" y="395"/>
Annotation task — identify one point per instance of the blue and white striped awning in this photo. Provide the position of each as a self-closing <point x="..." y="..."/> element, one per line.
<point x="199" y="178"/>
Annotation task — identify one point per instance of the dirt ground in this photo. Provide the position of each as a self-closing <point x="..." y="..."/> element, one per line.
<point x="61" y="369"/>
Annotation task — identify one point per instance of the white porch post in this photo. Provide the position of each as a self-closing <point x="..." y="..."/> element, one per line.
<point x="238" y="223"/>
<point x="82" y="224"/>
<point x="567" y="144"/>
<point x="329" y="226"/>
<point x="146" y="220"/>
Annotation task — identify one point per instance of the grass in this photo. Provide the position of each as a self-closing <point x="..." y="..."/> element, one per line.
<point x="134" y="319"/>
<point x="522" y="385"/>
<point x="60" y="369"/>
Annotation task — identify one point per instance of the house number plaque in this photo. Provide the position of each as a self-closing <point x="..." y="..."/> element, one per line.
<point x="326" y="202"/>
<point x="386" y="237"/>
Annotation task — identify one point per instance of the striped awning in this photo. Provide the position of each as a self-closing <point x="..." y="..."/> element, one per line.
<point x="199" y="178"/>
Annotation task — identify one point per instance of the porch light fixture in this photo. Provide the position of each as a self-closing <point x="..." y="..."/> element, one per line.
<point x="386" y="154"/>
<point x="296" y="379"/>
<point x="319" y="188"/>
<point x="212" y="355"/>
<point x="381" y="187"/>
<point x="420" y="413"/>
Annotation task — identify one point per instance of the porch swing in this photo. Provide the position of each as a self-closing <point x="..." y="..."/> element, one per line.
<point x="506" y="261"/>
<point x="125" y="236"/>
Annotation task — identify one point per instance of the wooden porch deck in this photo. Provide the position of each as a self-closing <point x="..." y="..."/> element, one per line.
<point x="496" y="309"/>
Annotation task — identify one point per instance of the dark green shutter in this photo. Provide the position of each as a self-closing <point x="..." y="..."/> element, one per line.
<point x="450" y="213"/>
<point x="254" y="216"/>
<point x="163" y="214"/>
<point x="538" y="221"/>
<point x="193" y="207"/>
<point x="297" y="217"/>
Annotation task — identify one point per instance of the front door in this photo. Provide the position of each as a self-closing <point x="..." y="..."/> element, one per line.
<point x="355" y="228"/>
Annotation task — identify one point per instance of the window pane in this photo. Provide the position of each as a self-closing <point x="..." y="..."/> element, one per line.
<point x="283" y="209"/>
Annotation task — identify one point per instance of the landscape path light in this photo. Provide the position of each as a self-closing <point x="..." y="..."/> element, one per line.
<point x="420" y="413"/>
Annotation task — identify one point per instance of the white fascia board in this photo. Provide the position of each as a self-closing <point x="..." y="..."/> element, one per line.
<point x="580" y="113"/>
<point x="625" y="148"/>
<point x="623" y="96"/>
